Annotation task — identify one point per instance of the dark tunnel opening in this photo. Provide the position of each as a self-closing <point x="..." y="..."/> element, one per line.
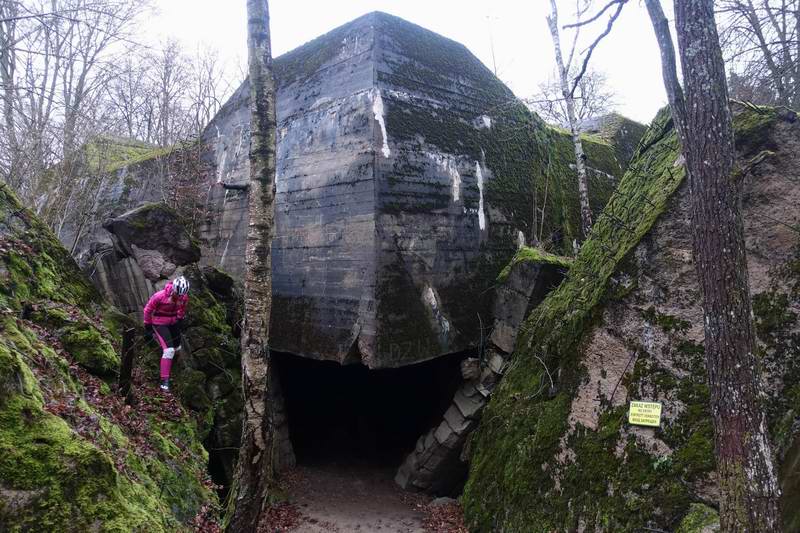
<point x="351" y="415"/>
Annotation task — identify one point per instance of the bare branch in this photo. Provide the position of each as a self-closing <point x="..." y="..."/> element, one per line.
<point x="605" y="8"/>
<point x="590" y="50"/>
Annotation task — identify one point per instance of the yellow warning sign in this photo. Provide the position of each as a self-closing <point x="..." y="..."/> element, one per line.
<point x="645" y="414"/>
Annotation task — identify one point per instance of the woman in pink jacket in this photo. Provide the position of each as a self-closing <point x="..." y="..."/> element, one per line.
<point x="163" y="318"/>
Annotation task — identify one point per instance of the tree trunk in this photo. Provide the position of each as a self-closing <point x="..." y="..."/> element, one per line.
<point x="748" y="485"/>
<point x="254" y="471"/>
<point x="566" y="92"/>
<point x="126" y="364"/>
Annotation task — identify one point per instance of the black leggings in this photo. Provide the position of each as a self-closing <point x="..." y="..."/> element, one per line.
<point x="168" y="336"/>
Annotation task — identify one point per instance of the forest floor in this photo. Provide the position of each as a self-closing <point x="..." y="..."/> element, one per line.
<point x="344" y="499"/>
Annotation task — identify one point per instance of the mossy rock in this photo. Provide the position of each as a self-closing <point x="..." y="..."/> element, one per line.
<point x="156" y="227"/>
<point x="109" y="154"/>
<point x="535" y="255"/>
<point x="190" y="386"/>
<point x="536" y="463"/>
<point x="33" y="264"/>
<point x="91" y="350"/>
<point x="64" y="465"/>
<point x="701" y="519"/>
<point x="54" y="479"/>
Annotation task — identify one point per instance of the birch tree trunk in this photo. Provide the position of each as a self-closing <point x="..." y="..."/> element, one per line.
<point x="254" y="471"/>
<point x="748" y="484"/>
<point x="569" y="100"/>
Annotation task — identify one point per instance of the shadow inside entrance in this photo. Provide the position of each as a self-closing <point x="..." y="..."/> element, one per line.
<point x="351" y="415"/>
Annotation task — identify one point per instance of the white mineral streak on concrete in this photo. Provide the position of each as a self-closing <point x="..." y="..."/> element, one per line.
<point x="377" y="108"/>
<point x="228" y="242"/>
<point x="455" y="178"/>
<point x="481" y="215"/>
<point x="433" y="302"/>
<point x="239" y="144"/>
<point x="221" y="166"/>
<point x="520" y="239"/>
<point x="400" y="95"/>
<point x="448" y="164"/>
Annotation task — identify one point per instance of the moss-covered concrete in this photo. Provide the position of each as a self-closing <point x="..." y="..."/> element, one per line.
<point x="541" y="463"/>
<point x="536" y="255"/>
<point x="109" y="154"/>
<point x="527" y="159"/>
<point x="620" y="132"/>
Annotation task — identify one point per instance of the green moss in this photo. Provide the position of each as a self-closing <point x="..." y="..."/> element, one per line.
<point x="525" y="157"/>
<point x="753" y="127"/>
<point x="622" y="133"/>
<point x="36" y="266"/>
<point x="773" y="315"/>
<point x="699" y="519"/>
<point x="190" y="384"/>
<point x="534" y="255"/>
<point x="62" y="481"/>
<point x="59" y="472"/>
<point x="68" y="483"/>
<point x="554" y="332"/>
<point x="588" y="481"/>
<point x="91" y="350"/>
<point x="51" y="316"/>
<point x="648" y="186"/>
<point x="108" y="154"/>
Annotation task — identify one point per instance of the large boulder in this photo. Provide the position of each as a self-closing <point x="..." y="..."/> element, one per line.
<point x="139" y="251"/>
<point x="626" y="325"/>
<point x="157" y="237"/>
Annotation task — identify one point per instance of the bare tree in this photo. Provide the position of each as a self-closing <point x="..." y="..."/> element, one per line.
<point x="762" y="47"/>
<point x="170" y="74"/>
<point x="71" y="77"/>
<point x="569" y="84"/>
<point x="208" y="88"/>
<point x="163" y="96"/>
<point x="54" y="65"/>
<point x="568" y="96"/>
<point x="130" y="97"/>
<point x="255" y="471"/>
<point x="593" y="97"/>
<point x="749" y="489"/>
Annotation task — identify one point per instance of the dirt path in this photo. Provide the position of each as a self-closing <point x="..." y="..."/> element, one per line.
<point x="354" y="499"/>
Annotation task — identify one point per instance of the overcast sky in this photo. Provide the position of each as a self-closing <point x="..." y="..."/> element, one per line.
<point x="523" y="50"/>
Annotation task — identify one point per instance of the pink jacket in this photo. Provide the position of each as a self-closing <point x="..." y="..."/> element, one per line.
<point x="162" y="310"/>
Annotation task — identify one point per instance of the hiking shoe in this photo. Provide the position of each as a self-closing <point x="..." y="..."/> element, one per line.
<point x="165" y="384"/>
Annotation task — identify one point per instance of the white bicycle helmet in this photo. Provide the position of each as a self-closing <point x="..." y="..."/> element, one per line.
<point x="180" y="286"/>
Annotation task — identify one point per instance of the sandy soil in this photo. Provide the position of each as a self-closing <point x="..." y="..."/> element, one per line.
<point x="353" y="499"/>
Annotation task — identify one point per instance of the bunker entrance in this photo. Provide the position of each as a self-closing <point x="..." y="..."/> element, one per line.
<point x="353" y="416"/>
